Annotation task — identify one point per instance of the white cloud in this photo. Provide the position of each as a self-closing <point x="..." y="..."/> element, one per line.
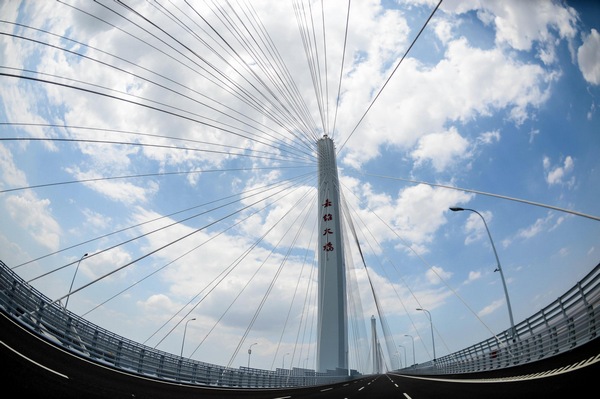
<point x="441" y="149"/>
<point x="532" y="134"/>
<point x="489" y="137"/>
<point x="473" y="275"/>
<point x="12" y="176"/>
<point x="588" y="57"/>
<point x="21" y="105"/>
<point x="419" y="211"/>
<point x="541" y="225"/>
<point x="103" y="264"/>
<point x="117" y="190"/>
<point x="419" y="101"/>
<point x="591" y="112"/>
<point x="96" y="219"/>
<point x="491" y="308"/>
<point x="559" y="174"/>
<point x="12" y="253"/>
<point x="436" y="275"/>
<point x="196" y="264"/>
<point x="294" y="206"/>
<point x="532" y="230"/>
<point x="521" y="24"/>
<point x="563" y="252"/>
<point x="35" y="216"/>
<point x="158" y="306"/>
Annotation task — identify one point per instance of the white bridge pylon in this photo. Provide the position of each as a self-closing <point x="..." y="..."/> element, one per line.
<point x="332" y="334"/>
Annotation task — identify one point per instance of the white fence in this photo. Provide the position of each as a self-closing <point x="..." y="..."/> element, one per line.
<point x="568" y="322"/>
<point x="37" y="312"/>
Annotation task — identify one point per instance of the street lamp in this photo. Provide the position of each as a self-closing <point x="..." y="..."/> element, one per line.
<point x="72" y="281"/>
<point x="413" y="342"/>
<point x="499" y="269"/>
<point x="283" y="361"/>
<point x="431" y="323"/>
<point x="401" y="346"/>
<point x="250" y="352"/>
<point x="184" y="330"/>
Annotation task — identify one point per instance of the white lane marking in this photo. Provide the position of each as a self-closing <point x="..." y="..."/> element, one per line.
<point x="326" y="389"/>
<point x="34" y="362"/>
<point x="406" y="395"/>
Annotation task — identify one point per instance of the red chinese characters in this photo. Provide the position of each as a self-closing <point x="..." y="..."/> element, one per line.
<point x="328" y="247"/>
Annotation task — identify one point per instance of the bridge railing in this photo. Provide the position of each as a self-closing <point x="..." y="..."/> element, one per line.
<point x="35" y="311"/>
<point x="572" y="320"/>
<point x="568" y="322"/>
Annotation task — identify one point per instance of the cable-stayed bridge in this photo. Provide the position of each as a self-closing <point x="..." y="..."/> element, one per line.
<point x="172" y="173"/>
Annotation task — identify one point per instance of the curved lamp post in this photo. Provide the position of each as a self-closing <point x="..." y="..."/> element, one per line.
<point x="413" y="343"/>
<point x="431" y="323"/>
<point x="498" y="269"/>
<point x="250" y="352"/>
<point x="184" y="330"/>
<point x="402" y="346"/>
<point x="72" y="281"/>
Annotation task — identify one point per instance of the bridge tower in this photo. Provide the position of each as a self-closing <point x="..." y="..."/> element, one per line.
<point x="332" y="329"/>
<point x="375" y="347"/>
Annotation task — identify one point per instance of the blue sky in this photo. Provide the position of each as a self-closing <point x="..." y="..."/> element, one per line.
<point x="499" y="99"/>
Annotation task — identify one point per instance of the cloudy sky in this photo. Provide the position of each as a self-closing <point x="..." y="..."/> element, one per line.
<point x="174" y="144"/>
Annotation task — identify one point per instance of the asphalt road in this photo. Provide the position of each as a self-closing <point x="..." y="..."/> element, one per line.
<point x="33" y="367"/>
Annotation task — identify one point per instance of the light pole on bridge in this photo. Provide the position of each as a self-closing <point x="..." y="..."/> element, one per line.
<point x="431" y="323"/>
<point x="72" y="281"/>
<point x="283" y="361"/>
<point x="402" y="346"/>
<point x="184" y="330"/>
<point x="498" y="269"/>
<point x="413" y="344"/>
<point x="250" y="352"/>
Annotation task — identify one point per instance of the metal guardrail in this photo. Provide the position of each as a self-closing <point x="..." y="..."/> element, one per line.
<point x="568" y="322"/>
<point x="37" y="312"/>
